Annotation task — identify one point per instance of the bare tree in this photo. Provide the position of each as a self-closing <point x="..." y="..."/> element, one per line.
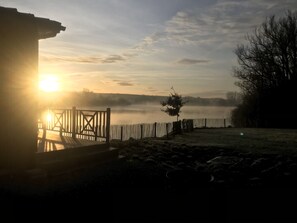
<point x="270" y="58"/>
<point x="267" y="74"/>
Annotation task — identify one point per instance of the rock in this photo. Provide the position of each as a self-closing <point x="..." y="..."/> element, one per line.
<point x="150" y="161"/>
<point x="135" y="156"/>
<point x="168" y="165"/>
<point x="255" y="181"/>
<point x="199" y="167"/>
<point x="224" y="160"/>
<point x="260" y="163"/>
<point x="272" y="171"/>
<point x="201" y="178"/>
<point x="148" y="147"/>
<point x="174" y="157"/>
<point x="175" y="174"/>
<point x="189" y="157"/>
<point x="183" y="178"/>
<point x="158" y="154"/>
<point x="181" y="165"/>
<point x="292" y="167"/>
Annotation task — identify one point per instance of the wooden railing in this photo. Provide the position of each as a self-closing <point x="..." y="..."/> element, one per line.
<point x="89" y="124"/>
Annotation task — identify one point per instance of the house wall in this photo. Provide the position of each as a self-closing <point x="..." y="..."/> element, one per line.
<point x="18" y="91"/>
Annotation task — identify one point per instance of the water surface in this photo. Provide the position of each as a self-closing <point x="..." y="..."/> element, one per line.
<point x="136" y="114"/>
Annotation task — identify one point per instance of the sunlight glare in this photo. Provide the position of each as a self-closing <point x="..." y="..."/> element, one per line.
<point x="49" y="83"/>
<point x="48" y="117"/>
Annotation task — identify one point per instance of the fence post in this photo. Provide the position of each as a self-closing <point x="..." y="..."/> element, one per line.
<point x="167" y="130"/>
<point x="155" y="129"/>
<point x="205" y="125"/>
<point x="73" y="122"/>
<point x="141" y="131"/>
<point x="107" y="125"/>
<point x="121" y="133"/>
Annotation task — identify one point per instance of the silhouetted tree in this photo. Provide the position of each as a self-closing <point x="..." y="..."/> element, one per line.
<point x="173" y="104"/>
<point x="267" y="73"/>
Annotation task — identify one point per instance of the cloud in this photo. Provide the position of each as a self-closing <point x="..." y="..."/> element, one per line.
<point x="76" y="76"/>
<point x="224" y="23"/>
<point x="124" y="83"/>
<point x="83" y="59"/>
<point x="146" y="46"/>
<point x="187" y="61"/>
<point x="113" y="59"/>
<point x="54" y="59"/>
<point x="150" y="40"/>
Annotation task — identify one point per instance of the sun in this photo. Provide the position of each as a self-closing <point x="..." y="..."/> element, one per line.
<point x="49" y="83"/>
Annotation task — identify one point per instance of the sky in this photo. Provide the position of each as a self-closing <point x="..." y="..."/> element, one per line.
<point x="147" y="46"/>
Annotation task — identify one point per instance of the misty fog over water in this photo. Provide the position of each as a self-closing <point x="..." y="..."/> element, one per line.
<point x="145" y="113"/>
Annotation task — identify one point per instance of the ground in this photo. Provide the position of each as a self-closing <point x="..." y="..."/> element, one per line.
<point x="209" y="175"/>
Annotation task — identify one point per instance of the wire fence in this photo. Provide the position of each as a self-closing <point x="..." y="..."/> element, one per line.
<point x="211" y="123"/>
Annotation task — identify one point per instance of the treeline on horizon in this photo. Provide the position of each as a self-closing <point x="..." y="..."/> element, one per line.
<point x="91" y="99"/>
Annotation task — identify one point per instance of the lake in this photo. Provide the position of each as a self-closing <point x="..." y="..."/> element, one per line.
<point x="145" y="113"/>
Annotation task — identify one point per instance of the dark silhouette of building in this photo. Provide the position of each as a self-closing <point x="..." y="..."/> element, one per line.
<point x="19" y="36"/>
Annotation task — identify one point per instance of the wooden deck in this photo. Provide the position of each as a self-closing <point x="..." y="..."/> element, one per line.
<point x="52" y="141"/>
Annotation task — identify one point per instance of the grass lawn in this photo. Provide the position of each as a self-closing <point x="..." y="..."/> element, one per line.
<point x="266" y="141"/>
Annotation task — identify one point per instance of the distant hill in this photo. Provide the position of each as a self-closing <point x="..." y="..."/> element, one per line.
<point x="68" y="99"/>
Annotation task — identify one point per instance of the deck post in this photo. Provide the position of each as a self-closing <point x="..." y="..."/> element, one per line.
<point x="73" y="122"/>
<point x="107" y="125"/>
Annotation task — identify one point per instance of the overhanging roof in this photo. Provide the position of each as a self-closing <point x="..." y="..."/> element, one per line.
<point x="46" y="28"/>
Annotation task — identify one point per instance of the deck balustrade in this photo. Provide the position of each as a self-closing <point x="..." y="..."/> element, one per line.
<point x="86" y="124"/>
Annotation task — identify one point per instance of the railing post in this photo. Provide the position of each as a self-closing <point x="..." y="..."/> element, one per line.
<point x="43" y="129"/>
<point x="107" y="125"/>
<point x="96" y="132"/>
<point x="141" y="131"/>
<point x="73" y="122"/>
<point x="155" y="129"/>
